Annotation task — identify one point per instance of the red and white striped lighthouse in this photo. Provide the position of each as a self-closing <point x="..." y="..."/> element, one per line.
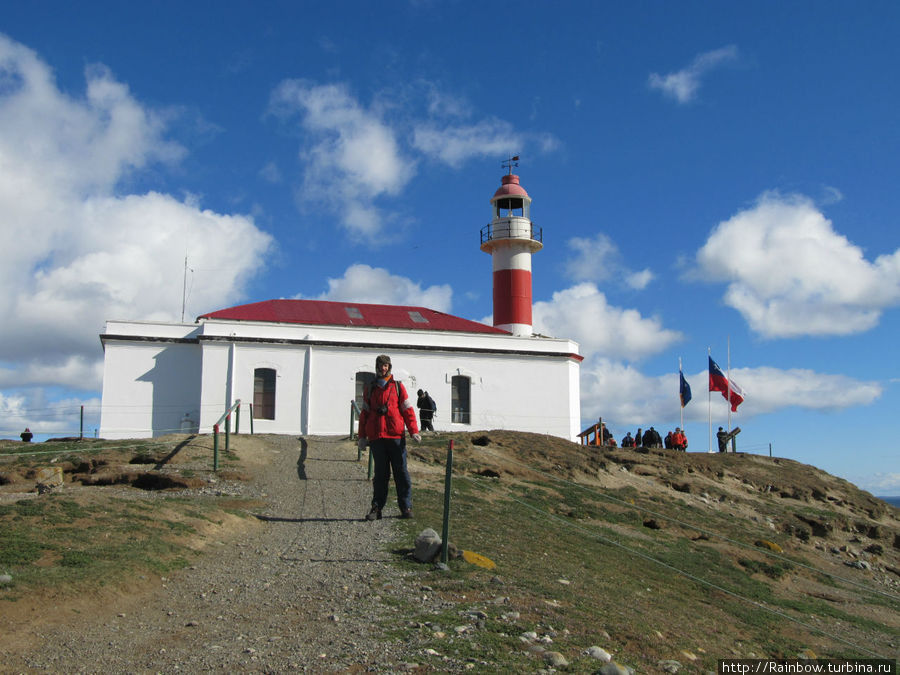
<point x="511" y="238"/>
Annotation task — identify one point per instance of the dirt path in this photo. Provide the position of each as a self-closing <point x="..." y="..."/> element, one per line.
<point x="298" y="591"/>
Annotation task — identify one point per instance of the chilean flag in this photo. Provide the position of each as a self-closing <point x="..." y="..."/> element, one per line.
<point x="718" y="382"/>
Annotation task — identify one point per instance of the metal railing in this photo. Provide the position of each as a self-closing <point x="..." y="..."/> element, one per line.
<point x="508" y="230"/>
<point x="226" y="417"/>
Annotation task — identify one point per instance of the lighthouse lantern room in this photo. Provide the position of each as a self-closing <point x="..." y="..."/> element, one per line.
<point x="511" y="238"/>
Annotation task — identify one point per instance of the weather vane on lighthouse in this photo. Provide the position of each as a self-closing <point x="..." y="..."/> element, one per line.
<point x="510" y="163"/>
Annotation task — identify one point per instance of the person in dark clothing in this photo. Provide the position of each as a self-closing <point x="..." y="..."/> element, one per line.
<point x="722" y="439"/>
<point x="26" y="435"/>
<point x="638" y="439"/>
<point x="652" y="438"/>
<point x="427" y="408"/>
<point x="628" y="441"/>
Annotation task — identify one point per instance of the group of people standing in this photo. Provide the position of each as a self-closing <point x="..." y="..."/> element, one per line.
<point x="674" y="440"/>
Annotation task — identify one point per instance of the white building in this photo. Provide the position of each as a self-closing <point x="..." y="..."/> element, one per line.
<point x="301" y="362"/>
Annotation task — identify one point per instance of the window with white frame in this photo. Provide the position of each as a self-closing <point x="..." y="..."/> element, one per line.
<point x="363" y="380"/>
<point x="460" y="399"/>
<point x="264" y="394"/>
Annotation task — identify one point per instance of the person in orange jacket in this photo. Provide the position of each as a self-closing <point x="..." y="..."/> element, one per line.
<point x="679" y="440"/>
<point x="386" y="409"/>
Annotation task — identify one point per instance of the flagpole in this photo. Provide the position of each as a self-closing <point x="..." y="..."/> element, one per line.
<point x="709" y="402"/>
<point x="728" y="398"/>
<point x="679" y="394"/>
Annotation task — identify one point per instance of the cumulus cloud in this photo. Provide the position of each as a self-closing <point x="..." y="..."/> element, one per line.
<point x="769" y="389"/>
<point x="362" y="283"/>
<point x="351" y="157"/>
<point x="598" y="258"/>
<point x="73" y="371"/>
<point x="789" y="273"/>
<point x="625" y="396"/>
<point x="881" y="484"/>
<point x="684" y="84"/>
<point x="356" y="158"/>
<point x="43" y="415"/>
<point x="91" y="252"/>
<point x="583" y="314"/>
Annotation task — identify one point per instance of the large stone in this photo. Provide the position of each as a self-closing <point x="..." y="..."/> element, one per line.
<point x="556" y="660"/>
<point x="599" y="653"/>
<point x="428" y="544"/>
<point x="51" y="476"/>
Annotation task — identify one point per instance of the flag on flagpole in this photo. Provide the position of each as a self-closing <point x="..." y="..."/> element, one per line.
<point x="718" y="382"/>
<point x="684" y="390"/>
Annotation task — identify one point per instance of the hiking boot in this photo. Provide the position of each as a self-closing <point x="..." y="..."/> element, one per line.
<point x="374" y="513"/>
<point x="406" y="514"/>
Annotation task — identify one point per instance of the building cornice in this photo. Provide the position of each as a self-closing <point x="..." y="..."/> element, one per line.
<point x="374" y="346"/>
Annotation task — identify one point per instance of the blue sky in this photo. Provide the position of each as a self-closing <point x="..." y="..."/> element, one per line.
<point x="704" y="174"/>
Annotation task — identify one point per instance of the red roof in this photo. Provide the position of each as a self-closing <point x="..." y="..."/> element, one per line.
<point x="325" y="313"/>
<point x="509" y="186"/>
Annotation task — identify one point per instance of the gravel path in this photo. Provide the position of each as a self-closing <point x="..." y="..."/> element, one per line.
<point x="301" y="592"/>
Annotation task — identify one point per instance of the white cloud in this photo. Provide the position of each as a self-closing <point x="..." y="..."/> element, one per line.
<point x="352" y="156"/>
<point x="881" y="484"/>
<point x="362" y="283"/>
<point x="599" y="259"/>
<point x="627" y="397"/>
<point x="770" y="389"/>
<point x="582" y="313"/>
<point x="790" y="274"/>
<point x="622" y="395"/>
<point x="73" y="371"/>
<point x="640" y="280"/>
<point x="56" y="417"/>
<point x="92" y="253"/>
<point x="355" y="158"/>
<point x="684" y="84"/>
<point x="455" y="145"/>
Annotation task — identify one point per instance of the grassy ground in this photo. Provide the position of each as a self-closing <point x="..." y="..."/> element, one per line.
<point x="581" y="562"/>
<point x="72" y="541"/>
<point x="585" y="553"/>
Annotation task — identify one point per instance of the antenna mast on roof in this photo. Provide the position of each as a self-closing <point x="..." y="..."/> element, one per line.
<point x="510" y="163"/>
<point x="184" y="288"/>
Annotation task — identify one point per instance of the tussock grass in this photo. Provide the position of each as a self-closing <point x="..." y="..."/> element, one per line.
<point x="586" y="569"/>
<point x="70" y="542"/>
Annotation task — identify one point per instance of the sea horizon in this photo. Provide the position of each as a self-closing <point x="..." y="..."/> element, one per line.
<point x="893" y="501"/>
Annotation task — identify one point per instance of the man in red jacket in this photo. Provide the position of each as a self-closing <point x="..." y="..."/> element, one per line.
<point x="386" y="407"/>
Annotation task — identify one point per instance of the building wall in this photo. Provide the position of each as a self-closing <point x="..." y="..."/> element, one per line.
<point x="289" y="364"/>
<point x="214" y="383"/>
<point x="158" y="381"/>
<point x="149" y="386"/>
